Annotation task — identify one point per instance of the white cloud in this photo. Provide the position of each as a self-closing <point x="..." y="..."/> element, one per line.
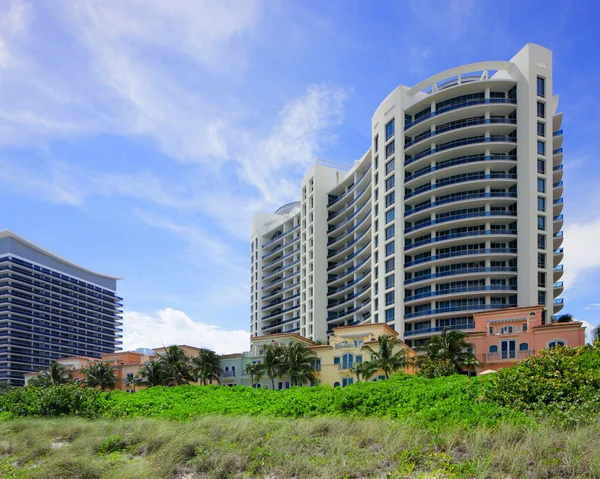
<point x="582" y="254"/>
<point x="170" y="326"/>
<point x="589" y="330"/>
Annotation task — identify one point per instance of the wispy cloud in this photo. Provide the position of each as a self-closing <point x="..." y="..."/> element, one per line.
<point x="582" y="255"/>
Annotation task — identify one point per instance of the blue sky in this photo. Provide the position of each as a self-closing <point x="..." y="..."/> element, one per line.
<point x="138" y="138"/>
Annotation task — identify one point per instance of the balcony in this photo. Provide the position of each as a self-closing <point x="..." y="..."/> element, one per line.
<point x="457" y="106"/>
<point x="345" y="260"/>
<point x="444" y="274"/>
<point x="557" y="133"/>
<point x="477" y="214"/>
<point x="467" y="289"/>
<point x="438" y="329"/>
<point x="350" y="231"/>
<point x="334" y="278"/>
<point x="454" y="309"/>
<point x="341" y="314"/>
<point x="507" y="356"/>
<point x="349" y="190"/>
<point x="281" y="246"/>
<point x="456" y="199"/>
<point x="458" y="144"/>
<point x="464" y="234"/>
<point x="461" y="160"/>
<point x="455" y="254"/>
<point x="335" y="214"/>
<point x="281" y="236"/>
<point x="455" y="181"/>
<point x="347" y="246"/>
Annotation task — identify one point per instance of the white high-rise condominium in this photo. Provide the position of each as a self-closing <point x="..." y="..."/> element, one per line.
<point x="455" y="208"/>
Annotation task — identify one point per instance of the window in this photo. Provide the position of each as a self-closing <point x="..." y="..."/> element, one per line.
<point x="389" y="298"/>
<point x="542" y="297"/>
<point x="541" y="86"/>
<point x="541" y="185"/>
<point x="347" y="381"/>
<point x="376" y="162"/>
<point x="541" y="109"/>
<point x="493" y="348"/>
<point x="555" y="343"/>
<point x="541" y="129"/>
<point x="389" y="281"/>
<point x="389" y="167"/>
<point x="336" y="384"/>
<point x="389" y="215"/>
<point x="376" y="143"/>
<point x="507" y="330"/>
<point x="541" y="260"/>
<point x="541" y="147"/>
<point x="541" y="203"/>
<point x="389" y="232"/>
<point x="523" y="347"/>
<point x="347" y="361"/>
<point x="389" y="183"/>
<point x="376" y="241"/>
<point x="541" y="241"/>
<point x="389" y="199"/>
<point x="541" y="223"/>
<point x="508" y="349"/>
<point x="541" y="166"/>
<point x="389" y="248"/>
<point x="389" y="265"/>
<point x="541" y="280"/>
<point x="390" y="149"/>
<point x="390" y="129"/>
<point x="389" y="315"/>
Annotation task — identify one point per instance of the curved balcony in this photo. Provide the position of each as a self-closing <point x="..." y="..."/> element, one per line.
<point x="458" y="199"/>
<point x="468" y="179"/>
<point x="558" y="272"/>
<point x="505" y="271"/>
<point x="336" y="214"/>
<point x="558" y="304"/>
<point x="455" y="236"/>
<point x="557" y="173"/>
<point x="557" y="156"/>
<point x="462" y="216"/>
<point x="452" y="145"/>
<point x="280" y="323"/>
<point x="281" y="312"/>
<point x="558" y="256"/>
<point x="347" y="246"/>
<point x="276" y="261"/>
<point x="337" y="303"/>
<point x="347" y="259"/>
<point x="345" y="287"/>
<point x="336" y="228"/>
<point x="457" y="106"/>
<point x="280" y="237"/>
<point x="458" y="254"/>
<point x="557" y="189"/>
<point x="466" y="291"/>
<point x="439" y="329"/>
<point x="280" y="291"/>
<point x="467" y="123"/>
<point x="462" y="164"/>
<point x="279" y="302"/>
<point x="557" y="240"/>
<point x="341" y="315"/>
<point x="281" y="270"/>
<point x="558" y="288"/>
<point x="351" y="189"/>
<point x="332" y="242"/>
<point x="557" y="206"/>
<point x="280" y="247"/>
<point x="332" y="280"/>
<point x="557" y="223"/>
<point x="280" y="280"/>
<point x="455" y="309"/>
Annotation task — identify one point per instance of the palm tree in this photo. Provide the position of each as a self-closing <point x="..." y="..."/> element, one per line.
<point x="255" y="371"/>
<point x="177" y="365"/>
<point x="450" y="344"/>
<point x="565" y="318"/>
<point x="55" y="375"/>
<point x="385" y="358"/>
<point x="207" y="366"/>
<point x="364" y="370"/>
<point x="297" y="363"/>
<point x="470" y="362"/>
<point x="100" y="375"/>
<point x="154" y="373"/>
<point x="274" y="362"/>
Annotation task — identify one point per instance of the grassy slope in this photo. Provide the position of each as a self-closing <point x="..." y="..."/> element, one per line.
<point x="220" y="447"/>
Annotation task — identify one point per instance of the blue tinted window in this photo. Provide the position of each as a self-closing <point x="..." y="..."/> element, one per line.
<point x="390" y="129"/>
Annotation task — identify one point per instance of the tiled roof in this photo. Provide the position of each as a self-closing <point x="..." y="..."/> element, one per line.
<point x="559" y="325"/>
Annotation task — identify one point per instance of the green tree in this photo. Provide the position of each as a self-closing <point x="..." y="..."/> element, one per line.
<point x="274" y="362"/>
<point x="177" y="366"/>
<point x="471" y="363"/>
<point x="565" y="318"/>
<point x="435" y="368"/>
<point x="207" y="366"/>
<point x="100" y="375"/>
<point x="154" y="373"/>
<point x="451" y="345"/>
<point x="385" y="358"/>
<point x="297" y="362"/>
<point x="55" y="375"/>
<point x="4" y="387"/>
<point x="364" y="370"/>
<point x="255" y="371"/>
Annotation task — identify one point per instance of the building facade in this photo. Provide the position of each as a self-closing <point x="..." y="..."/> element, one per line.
<point x="51" y="308"/>
<point x="506" y="336"/>
<point x="456" y="208"/>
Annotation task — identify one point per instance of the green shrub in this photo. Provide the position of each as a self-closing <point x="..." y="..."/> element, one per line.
<point x="435" y="368"/>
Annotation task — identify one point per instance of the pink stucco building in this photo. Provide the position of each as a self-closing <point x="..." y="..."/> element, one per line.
<point x="504" y="336"/>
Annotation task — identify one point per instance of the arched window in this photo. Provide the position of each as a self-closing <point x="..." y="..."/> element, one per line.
<point x="523" y="347"/>
<point x="555" y="343"/>
<point x="493" y="348"/>
<point x="336" y="385"/>
<point x="347" y="361"/>
<point x="233" y="371"/>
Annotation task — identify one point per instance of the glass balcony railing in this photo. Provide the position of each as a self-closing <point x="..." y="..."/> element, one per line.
<point x="280" y="270"/>
<point x="278" y="247"/>
<point x="558" y="284"/>
<point x="558" y="201"/>
<point x="557" y="133"/>
<point x="278" y="313"/>
<point x="337" y="277"/>
<point x="558" y="184"/>
<point x="295" y="273"/>
<point x="458" y="161"/>
<point x="443" y="274"/>
<point x="438" y="329"/>
<point x="459" y="217"/>
<point x="336" y="302"/>
<point x="275" y="261"/>
<point x="348" y="258"/>
<point x="560" y="267"/>
<point x="280" y="301"/>
<point x="558" y="251"/>
<point x="557" y="151"/>
<point x="349" y="190"/>
<point x="558" y="235"/>
<point x="467" y="289"/>
<point x="455" y="199"/>
<point x="333" y="228"/>
<point x="452" y="309"/>
<point x="348" y="245"/>
<point x="341" y="314"/>
<point x="351" y="230"/>
<point x="349" y="285"/>
<point x="454" y="181"/>
<point x="458" y="143"/>
<point x="558" y="168"/>
<point x="335" y="214"/>
<point x="457" y="126"/>
<point x="454" y="254"/>
<point x="559" y="301"/>
<point x="464" y="234"/>
<point x="280" y="323"/>
<point x="279" y="291"/>
<point x="558" y="218"/>
<point x="274" y="240"/>
<point x="456" y="106"/>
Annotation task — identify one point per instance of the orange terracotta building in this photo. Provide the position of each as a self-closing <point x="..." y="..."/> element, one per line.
<point x="505" y="336"/>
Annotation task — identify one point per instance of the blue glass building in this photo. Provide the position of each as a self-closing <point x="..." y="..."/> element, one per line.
<point x="51" y="308"/>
